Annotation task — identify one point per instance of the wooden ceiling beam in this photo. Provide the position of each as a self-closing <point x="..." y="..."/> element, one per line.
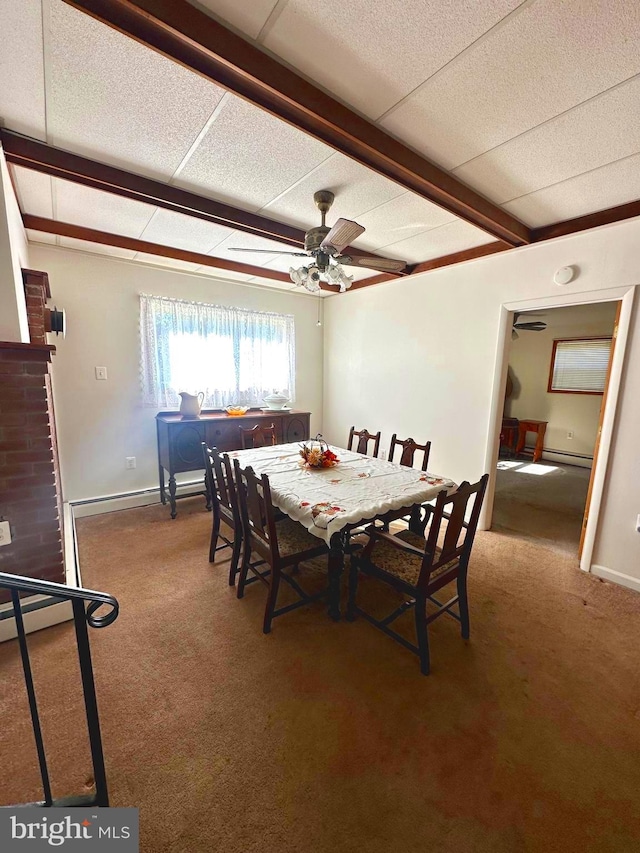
<point x="33" y="154"/>
<point x="183" y="33"/>
<point x="590" y="220"/>
<point x="105" y="238"/>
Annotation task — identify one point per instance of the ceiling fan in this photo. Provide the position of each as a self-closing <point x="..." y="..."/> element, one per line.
<point x="325" y="247"/>
<point x="536" y="326"/>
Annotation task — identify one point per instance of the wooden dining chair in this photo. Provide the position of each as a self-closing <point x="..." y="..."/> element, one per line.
<point x="417" y="566"/>
<point x="222" y="493"/>
<point x="409" y="450"/>
<point x="364" y="437"/>
<point x="258" y="436"/>
<point x="280" y="546"/>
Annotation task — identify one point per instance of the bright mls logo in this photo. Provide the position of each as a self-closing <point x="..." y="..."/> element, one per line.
<point x="36" y="829"/>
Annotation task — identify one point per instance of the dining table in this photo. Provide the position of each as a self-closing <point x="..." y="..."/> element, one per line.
<point x="331" y="502"/>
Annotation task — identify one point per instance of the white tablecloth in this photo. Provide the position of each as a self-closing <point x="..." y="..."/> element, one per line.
<point x="326" y="500"/>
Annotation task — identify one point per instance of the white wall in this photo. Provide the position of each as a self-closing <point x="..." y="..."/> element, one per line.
<point x="418" y="357"/>
<point x="100" y="423"/>
<point x="14" y="255"/>
<point x="529" y="363"/>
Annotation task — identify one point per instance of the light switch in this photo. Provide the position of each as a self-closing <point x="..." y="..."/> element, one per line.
<point x="101" y="372"/>
<point x="5" y="533"/>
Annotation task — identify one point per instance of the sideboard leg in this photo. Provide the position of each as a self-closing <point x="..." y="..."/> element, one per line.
<point x="163" y="494"/>
<point x="172" y="495"/>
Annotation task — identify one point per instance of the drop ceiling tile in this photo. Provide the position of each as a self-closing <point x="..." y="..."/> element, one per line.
<point x="404" y="216"/>
<point x="22" y="101"/>
<point x="604" y="129"/>
<point x="96" y="209"/>
<point x="118" y="101"/>
<point x="453" y="237"/>
<point x="161" y="261"/>
<point x="95" y="248"/>
<point x="247" y="241"/>
<point x="372" y="57"/>
<point x="247" y="157"/>
<point x="357" y="190"/>
<point x="34" y="192"/>
<point x="248" y="18"/>
<point x="611" y="185"/>
<point x="546" y="59"/>
<point x="184" y="232"/>
<point x="40" y="237"/>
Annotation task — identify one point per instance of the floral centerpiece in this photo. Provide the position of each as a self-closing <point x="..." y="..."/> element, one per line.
<point x="316" y="454"/>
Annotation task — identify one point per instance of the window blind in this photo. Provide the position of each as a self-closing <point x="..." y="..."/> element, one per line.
<point x="580" y="365"/>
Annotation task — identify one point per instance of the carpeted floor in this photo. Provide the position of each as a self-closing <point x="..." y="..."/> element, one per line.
<point x="323" y="737"/>
<point x="543" y="503"/>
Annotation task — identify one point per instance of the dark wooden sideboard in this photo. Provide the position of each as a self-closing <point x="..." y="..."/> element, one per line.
<point x="180" y="440"/>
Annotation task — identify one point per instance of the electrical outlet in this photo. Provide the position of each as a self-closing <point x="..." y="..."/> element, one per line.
<point x="130" y="462"/>
<point x="569" y="433"/>
<point x="101" y="372"/>
<point x="5" y="533"/>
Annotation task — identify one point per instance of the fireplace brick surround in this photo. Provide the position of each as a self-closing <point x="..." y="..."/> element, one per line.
<point x="30" y="495"/>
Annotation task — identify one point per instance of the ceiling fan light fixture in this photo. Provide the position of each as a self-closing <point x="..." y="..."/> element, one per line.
<point x="311" y="276"/>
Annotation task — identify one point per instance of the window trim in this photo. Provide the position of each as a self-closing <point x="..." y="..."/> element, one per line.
<point x="551" y="390"/>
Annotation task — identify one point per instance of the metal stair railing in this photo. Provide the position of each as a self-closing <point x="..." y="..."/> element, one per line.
<point x="85" y="603"/>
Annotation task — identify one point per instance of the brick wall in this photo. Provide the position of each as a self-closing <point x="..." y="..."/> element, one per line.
<point x="29" y="495"/>
<point x="36" y="289"/>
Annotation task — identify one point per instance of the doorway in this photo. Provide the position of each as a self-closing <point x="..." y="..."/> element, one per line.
<point x="557" y="369"/>
<point x="625" y="296"/>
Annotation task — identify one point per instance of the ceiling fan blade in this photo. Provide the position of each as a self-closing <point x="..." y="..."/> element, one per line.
<point x="342" y="234"/>
<point x="268" y="251"/>
<point x="531" y="327"/>
<point x="374" y="262"/>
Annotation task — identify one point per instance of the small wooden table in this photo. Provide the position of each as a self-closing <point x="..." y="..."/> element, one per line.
<point x="539" y="427"/>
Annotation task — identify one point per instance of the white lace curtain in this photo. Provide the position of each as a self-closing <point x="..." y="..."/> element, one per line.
<point x="232" y="355"/>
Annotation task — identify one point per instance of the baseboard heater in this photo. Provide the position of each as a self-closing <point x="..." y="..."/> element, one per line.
<point x="530" y="449"/>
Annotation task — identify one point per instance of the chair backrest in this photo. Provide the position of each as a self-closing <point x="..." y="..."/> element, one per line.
<point x="409" y="448"/>
<point x="450" y="512"/>
<point x="257" y="512"/>
<point x="258" y="436"/>
<point x="364" y="437"/>
<point x="219" y="478"/>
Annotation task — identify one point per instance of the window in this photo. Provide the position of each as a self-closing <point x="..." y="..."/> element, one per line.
<point x="579" y="366"/>
<point x="232" y="355"/>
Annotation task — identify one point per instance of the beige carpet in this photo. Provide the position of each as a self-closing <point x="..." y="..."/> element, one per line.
<point x="543" y="502"/>
<point x="324" y="737"/>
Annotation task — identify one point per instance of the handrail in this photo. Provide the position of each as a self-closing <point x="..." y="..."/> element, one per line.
<point x="85" y="603"/>
<point x="68" y="593"/>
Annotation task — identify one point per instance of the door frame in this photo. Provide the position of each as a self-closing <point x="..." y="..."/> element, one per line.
<point x="624" y="295"/>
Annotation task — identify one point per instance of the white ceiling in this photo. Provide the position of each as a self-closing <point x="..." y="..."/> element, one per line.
<point x="535" y="104"/>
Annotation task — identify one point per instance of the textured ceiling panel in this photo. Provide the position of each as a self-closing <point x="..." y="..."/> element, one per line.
<point x="371" y="56"/>
<point x="95" y="209"/>
<point x="445" y="240"/>
<point x="159" y="261"/>
<point x="40" y="237"/>
<point x="95" y="248"/>
<point x="604" y="129"/>
<point x="247" y="157"/>
<point x="357" y="190"/>
<point x="403" y="217"/>
<point x="247" y="241"/>
<point x="22" y="102"/>
<point x="184" y="232"/>
<point x="546" y="59"/>
<point x="613" y="184"/>
<point x="248" y="17"/>
<point x="118" y="101"/>
<point x="34" y="192"/>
